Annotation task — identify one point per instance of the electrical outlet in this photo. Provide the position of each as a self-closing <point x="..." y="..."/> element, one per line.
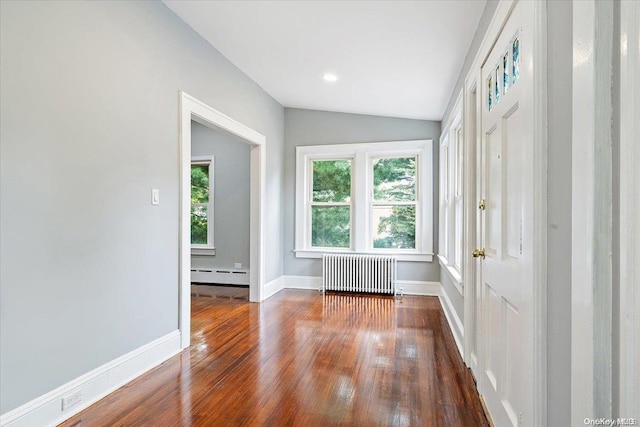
<point x="71" y="399"/>
<point x="237" y="265"/>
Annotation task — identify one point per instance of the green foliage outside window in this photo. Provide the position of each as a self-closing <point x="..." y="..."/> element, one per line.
<point x="330" y="224"/>
<point x="394" y="180"/>
<point x="199" y="202"/>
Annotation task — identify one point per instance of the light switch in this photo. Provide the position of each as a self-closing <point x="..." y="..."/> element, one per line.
<point x="155" y="196"/>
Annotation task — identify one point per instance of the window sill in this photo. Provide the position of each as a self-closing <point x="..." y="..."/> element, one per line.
<point x="410" y="257"/>
<point x="203" y="251"/>
<point x="454" y="275"/>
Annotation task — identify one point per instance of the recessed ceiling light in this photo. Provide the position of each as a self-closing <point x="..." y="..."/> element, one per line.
<point x="330" y="77"/>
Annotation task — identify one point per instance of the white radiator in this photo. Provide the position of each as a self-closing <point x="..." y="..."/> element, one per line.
<point x="359" y="273"/>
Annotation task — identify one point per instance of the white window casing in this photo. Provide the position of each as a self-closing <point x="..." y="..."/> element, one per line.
<point x="209" y="247"/>
<point x="451" y="197"/>
<point x="362" y="156"/>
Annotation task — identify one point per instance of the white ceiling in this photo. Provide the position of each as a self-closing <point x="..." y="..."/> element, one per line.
<point x="392" y="58"/>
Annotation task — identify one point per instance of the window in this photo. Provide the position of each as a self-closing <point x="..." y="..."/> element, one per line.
<point x="365" y="198"/>
<point x="330" y="203"/>
<point x="451" y="196"/>
<point x="202" y="206"/>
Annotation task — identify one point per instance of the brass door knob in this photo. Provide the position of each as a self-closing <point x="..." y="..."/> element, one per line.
<point x="478" y="253"/>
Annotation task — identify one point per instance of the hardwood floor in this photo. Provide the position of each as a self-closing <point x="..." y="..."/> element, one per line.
<point x="301" y="359"/>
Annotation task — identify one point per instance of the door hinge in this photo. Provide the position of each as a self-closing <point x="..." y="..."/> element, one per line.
<point x="482" y="205"/>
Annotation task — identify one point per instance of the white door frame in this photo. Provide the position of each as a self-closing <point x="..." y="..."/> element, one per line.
<point x="629" y="209"/>
<point x="473" y="83"/>
<point x="592" y="214"/>
<point x="193" y="109"/>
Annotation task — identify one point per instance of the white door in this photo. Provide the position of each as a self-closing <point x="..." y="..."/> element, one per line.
<point x="506" y="273"/>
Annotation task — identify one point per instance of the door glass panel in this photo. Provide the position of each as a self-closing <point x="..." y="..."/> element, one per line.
<point x="516" y="59"/>
<point x="490" y="93"/>
<point x="505" y="73"/>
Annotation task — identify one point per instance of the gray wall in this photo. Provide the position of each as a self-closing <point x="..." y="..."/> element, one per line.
<point x="310" y="127"/>
<point x="457" y="300"/>
<point x="231" y="195"/>
<point x="89" y="108"/>
<point x="485" y="20"/>
<point x="559" y="92"/>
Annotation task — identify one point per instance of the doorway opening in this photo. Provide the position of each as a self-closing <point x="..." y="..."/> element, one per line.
<point x="192" y="109"/>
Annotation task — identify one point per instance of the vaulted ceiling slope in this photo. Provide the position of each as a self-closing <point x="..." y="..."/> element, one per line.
<point x="391" y="58"/>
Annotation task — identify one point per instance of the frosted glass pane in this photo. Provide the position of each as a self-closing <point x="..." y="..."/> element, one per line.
<point x="496" y="86"/>
<point x="505" y="73"/>
<point x="516" y="59"/>
<point x="490" y="92"/>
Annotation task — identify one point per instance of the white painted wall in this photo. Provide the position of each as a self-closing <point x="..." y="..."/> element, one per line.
<point x="231" y="195"/>
<point x="89" y="107"/>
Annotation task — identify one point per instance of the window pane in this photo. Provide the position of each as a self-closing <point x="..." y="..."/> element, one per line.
<point x="394" y="227"/>
<point x="331" y="180"/>
<point x="330" y="226"/>
<point x="394" y="179"/>
<point x="199" y="225"/>
<point x="516" y="59"/>
<point x="199" y="183"/>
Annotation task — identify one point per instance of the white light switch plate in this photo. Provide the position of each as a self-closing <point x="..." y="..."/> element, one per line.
<point x="155" y="196"/>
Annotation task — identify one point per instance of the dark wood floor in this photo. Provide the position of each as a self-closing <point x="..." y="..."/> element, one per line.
<point x="301" y="359"/>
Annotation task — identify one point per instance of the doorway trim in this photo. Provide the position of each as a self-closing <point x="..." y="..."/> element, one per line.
<point x="539" y="267"/>
<point x="194" y="109"/>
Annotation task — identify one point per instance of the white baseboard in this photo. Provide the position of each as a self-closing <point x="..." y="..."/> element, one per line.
<point x="303" y="282"/>
<point x="273" y="287"/>
<point x="414" y="287"/>
<point x="453" y="319"/>
<point x="46" y="410"/>
<point x="409" y="287"/>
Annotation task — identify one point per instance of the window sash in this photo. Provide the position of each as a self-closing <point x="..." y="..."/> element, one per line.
<point x="206" y="161"/>
<point x="361" y="203"/>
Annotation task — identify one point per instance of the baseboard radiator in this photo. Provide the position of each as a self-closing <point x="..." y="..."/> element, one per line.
<point x="223" y="276"/>
<point x="360" y="273"/>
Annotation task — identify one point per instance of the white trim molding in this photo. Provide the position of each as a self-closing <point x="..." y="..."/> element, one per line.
<point x="193" y="109"/>
<point x="629" y="389"/>
<point x="208" y="248"/>
<point x="455" y="324"/>
<point x="591" y="261"/>
<point x="46" y="410"/>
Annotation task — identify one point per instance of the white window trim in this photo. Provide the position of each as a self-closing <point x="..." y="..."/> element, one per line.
<point x="209" y="248"/>
<point x="451" y="194"/>
<point x="362" y="155"/>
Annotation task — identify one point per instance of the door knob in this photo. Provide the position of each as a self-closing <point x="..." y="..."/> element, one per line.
<point x="478" y="253"/>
